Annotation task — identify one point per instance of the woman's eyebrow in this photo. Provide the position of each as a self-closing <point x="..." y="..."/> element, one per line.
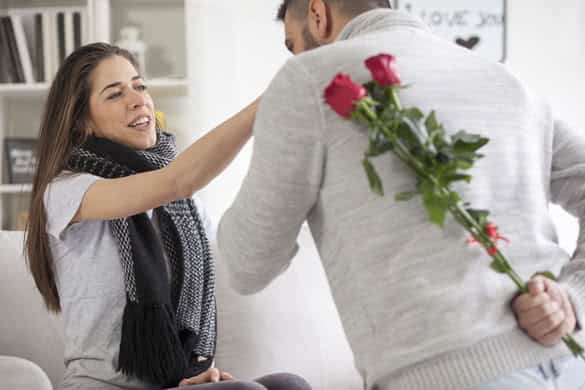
<point x="118" y="83"/>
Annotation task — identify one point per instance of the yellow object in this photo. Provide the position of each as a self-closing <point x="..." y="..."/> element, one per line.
<point x="160" y="120"/>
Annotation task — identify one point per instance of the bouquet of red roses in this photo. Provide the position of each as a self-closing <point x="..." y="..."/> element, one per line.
<point x="436" y="159"/>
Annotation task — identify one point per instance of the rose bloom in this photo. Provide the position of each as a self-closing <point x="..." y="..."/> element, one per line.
<point x="384" y="69"/>
<point x="342" y="94"/>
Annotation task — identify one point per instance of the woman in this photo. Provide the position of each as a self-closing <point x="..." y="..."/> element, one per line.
<point x="116" y="243"/>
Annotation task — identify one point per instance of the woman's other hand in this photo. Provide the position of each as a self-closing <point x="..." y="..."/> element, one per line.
<point x="210" y="376"/>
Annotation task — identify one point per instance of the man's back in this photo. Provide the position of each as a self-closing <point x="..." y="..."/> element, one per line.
<point x="418" y="304"/>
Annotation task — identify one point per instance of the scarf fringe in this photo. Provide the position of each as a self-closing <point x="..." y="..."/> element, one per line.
<point x="150" y="348"/>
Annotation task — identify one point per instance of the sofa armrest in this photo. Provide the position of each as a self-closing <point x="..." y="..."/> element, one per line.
<point x="22" y="374"/>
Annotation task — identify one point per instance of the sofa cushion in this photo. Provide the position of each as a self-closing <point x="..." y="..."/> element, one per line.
<point x="22" y="374"/>
<point x="27" y="330"/>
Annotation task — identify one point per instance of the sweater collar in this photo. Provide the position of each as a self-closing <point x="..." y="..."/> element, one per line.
<point x="378" y="20"/>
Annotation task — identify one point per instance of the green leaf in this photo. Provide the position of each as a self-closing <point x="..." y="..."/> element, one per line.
<point x="437" y="137"/>
<point x="379" y="144"/>
<point x="454" y="197"/>
<point x="499" y="267"/>
<point x="461" y="147"/>
<point x="408" y="133"/>
<point x="413" y="113"/>
<point x="480" y="216"/>
<point x="465" y="142"/>
<point x="546" y="274"/>
<point x="466" y="137"/>
<point x="378" y="148"/>
<point x="432" y="123"/>
<point x="443" y="158"/>
<point x="436" y="206"/>
<point x="457" y="177"/>
<point x="373" y="178"/>
<point x="405" y="196"/>
<point x="463" y="164"/>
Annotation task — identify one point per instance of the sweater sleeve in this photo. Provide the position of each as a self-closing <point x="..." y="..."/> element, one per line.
<point x="257" y="235"/>
<point x="568" y="191"/>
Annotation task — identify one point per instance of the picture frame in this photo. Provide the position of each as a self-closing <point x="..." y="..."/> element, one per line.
<point x="479" y="25"/>
<point x="21" y="160"/>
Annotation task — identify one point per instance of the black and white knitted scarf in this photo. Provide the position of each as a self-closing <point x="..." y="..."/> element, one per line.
<point x="169" y="328"/>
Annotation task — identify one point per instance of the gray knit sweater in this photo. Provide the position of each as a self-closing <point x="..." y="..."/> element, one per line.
<point x="420" y="307"/>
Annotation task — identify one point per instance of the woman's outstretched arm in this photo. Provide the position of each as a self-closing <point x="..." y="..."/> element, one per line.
<point x="192" y="170"/>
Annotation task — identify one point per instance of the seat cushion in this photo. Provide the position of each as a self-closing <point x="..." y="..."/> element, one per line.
<point x="22" y="374"/>
<point x="27" y="330"/>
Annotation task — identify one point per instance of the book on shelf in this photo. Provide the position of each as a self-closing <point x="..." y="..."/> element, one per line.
<point x="23" y="48"/>
<point x="5" y="60"/>
<point x="39" y="48"/>
<point x="60" y="38"/>
<point x="15" y="66"/>
<point x="35" y="42"/>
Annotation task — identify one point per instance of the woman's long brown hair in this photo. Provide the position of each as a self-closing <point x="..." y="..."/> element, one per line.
<point x="62" y="127"/>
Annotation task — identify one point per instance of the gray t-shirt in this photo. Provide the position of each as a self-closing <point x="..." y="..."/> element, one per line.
<point x="90" y="282"/>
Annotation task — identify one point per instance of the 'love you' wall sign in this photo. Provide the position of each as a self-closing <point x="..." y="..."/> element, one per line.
<point x="479" y="25"/>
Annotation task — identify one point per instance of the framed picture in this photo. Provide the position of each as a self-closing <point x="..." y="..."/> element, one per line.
<point x="20" y="159"/>
<point x="478" y="25"/>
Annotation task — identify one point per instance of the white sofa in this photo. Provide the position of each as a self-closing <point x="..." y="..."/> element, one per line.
<point x="291" y="326"/>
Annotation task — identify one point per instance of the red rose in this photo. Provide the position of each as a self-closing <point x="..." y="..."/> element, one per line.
<point x="384" y="69"/>
<point x="342" y="94"/>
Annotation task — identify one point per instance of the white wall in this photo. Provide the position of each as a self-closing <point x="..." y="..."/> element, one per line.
<point x="236" y="49"/>
<point x="547" y="51"/>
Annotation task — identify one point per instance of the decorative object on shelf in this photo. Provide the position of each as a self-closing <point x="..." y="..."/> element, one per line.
<point x="161" y="119"/>
<point x="21" y="159"/>
<point x="477" y="25"/>
<point x="21" y="220"/>
<point x="130" y="40"/>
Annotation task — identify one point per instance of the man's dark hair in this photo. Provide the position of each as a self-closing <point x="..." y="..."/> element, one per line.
<point x="347" y="7"/>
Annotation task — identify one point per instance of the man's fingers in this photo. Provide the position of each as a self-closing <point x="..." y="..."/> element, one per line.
<point x="536" y="286"/>
<point x="537" y="314"/>
<point x="545" y="313"/>
<point x="226" y="376"/>
<point x="554" y="337"/>
<point x="527" y="302"/>
<point x="546" y="325"/>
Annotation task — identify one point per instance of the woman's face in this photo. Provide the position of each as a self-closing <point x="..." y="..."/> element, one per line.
<point x="120" y="108"/>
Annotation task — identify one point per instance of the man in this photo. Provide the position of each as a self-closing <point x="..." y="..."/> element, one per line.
<point x="421" y="309"/>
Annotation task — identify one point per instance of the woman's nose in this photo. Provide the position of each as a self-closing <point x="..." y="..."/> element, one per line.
<point x="136" y="100"/>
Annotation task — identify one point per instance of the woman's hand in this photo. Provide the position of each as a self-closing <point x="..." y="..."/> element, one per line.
<point x="210" y="376"/>
<point x="545" y="313"/>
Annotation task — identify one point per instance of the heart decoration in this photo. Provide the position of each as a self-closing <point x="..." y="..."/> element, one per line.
<point x="469" y="43"/>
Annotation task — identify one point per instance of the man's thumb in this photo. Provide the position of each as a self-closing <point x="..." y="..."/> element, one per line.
<point x="536" y="286"/>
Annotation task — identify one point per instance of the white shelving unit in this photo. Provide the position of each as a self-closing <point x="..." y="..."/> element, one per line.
<point x="162" y="86"/>
<point x="15" y="188"/>
<point x="163" y="25"/>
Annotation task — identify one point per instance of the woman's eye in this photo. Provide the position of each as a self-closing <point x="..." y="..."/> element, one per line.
<point x="115" y="95"/>
<point x="141" y="87"/>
